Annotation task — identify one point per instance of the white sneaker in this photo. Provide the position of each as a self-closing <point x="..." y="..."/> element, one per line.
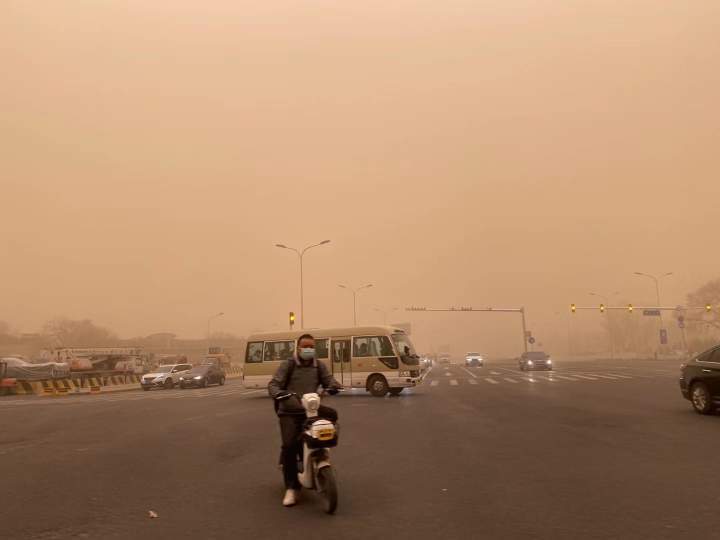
<point x="290" y="498"/>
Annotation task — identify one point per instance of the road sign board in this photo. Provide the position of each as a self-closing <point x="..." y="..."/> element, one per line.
<point x="651" y="312"/>
<point x="663" y="337"/>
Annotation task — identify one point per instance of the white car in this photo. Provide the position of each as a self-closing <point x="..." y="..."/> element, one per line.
<point x="166" y="376"/>
<point x="473" y="359"/>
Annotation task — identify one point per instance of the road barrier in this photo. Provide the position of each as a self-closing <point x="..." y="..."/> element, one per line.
<point x="81" y="384"/>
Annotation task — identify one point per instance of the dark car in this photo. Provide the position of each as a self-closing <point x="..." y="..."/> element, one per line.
<point x="700" y="381"/>
<point x="535" y="360"/>
<point x="202" y="376"/>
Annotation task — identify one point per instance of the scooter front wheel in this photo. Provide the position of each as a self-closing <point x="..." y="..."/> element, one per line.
<point x="327" y="486"/>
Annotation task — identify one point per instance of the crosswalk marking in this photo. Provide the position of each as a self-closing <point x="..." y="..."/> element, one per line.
<point x="472" y="381"/>
<point x="494" y="373"/>
<point x="469" y="373"/>
<point x="434" y="383"/>
<point x="491" y="381"/>
<point x="453" y="382"/>
<point x="566" y="378"/>
<point x="611" y="377"/>
<point x="621" y="376"/>
<point x="585" y="377"/>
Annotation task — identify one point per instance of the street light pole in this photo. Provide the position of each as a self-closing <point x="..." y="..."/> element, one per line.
<point x="301" y="253"/>
<point x="355" y="291"/>
<point x="656" y="279"/>
<point x="208" y="324"/>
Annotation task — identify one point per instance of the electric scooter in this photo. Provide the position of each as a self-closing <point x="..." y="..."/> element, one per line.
<point x="318" y="436"/>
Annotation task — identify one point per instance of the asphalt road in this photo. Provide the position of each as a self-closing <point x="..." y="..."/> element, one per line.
<point x="593" y="450"/>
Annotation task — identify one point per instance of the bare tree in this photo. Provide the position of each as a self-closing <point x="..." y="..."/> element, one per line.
<point x="83" y="333"/>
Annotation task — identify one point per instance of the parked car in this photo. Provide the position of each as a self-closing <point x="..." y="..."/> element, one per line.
<point x="202" y="376"/>
<point x="21" y="369"/>
<point x="473" y="359"/>
<point x="535" y="360"/>
<point x="700" y="381"/>
<point x="165" y="376"/>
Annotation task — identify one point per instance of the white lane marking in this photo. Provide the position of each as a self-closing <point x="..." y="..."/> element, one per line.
<point x="545" y="377"/>
<point x="530" y="379"/>
<point x="469" y="372"/>
<point x="620" y="376"/>
<point x="434" y="383"/>
<point x="448" y="373"/>
<point x="453" y="382"/>
<point x="566" y="378"/>
<point x="585" y="377"/>
<point x="472" y="381"/>
<point x="494" y="373"/>
<point x="508" y="379"/>
<point x="491" y="381"/>
<point x="604" y="376"/>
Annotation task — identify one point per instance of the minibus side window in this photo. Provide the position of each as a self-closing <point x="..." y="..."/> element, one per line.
<point x="372" y="346"/>
<point x="254" y="352"/>
<point x="321" y="348"/>
<point x="277" y="351"/>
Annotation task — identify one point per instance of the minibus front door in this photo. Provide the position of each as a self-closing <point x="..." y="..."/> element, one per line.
<point x="341" y="361"/>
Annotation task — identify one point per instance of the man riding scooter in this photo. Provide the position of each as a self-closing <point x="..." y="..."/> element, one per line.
<point x="299" y="375"/>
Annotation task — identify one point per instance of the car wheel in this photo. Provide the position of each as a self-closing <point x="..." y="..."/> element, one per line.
<point x="700" y="398"/>
<point x="204" y="383"/>
<point x="378" y="386"/>
<point x="169" y="384"/>
<point x="222" y="381"/>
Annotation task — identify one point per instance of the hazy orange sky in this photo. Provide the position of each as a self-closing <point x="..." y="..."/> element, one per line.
<point x="458" y="152"/>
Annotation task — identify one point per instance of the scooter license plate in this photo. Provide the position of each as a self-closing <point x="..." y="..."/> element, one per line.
<point x="326" y="434"/>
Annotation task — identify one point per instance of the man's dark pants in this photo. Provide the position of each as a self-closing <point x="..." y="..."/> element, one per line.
<point x="290" y="429"/>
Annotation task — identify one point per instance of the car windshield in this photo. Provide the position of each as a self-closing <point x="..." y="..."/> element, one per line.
<point x="405" y="348"/>
<point x="473" y="354"/>
<point x="536" y="355"/>
<point x="164" y="369"/>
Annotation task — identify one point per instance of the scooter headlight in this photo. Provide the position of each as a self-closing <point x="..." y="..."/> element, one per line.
<point x="311" y="402"/>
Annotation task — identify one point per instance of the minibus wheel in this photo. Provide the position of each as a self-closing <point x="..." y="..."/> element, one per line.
<point x="378" y="386"/>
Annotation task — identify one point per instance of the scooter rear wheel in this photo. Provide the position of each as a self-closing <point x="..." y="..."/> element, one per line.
<point x="328" y="489"/>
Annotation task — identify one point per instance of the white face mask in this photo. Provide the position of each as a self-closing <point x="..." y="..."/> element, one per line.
<point x="307" y="353"/>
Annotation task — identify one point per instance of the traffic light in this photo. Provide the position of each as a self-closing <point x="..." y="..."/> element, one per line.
<point x="708" y="308"/>
<point x="292" y="318"/>
<point x="572" y="308"/>
<point x="602" y="308"/>
<point x="630" y="308"/>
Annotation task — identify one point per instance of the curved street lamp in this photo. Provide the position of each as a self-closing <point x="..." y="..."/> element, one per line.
<point x="300" y="253"/>
<point x="355" y="291"/>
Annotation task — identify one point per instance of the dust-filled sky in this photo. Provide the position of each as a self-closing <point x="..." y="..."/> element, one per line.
<point x="479" y="152"/>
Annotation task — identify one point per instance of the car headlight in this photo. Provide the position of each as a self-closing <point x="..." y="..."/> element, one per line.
<point x="549" y="361"/>
<point x="530" y="362"/>
<point x="404" y="373"/>
<point x="198" y="377"/>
